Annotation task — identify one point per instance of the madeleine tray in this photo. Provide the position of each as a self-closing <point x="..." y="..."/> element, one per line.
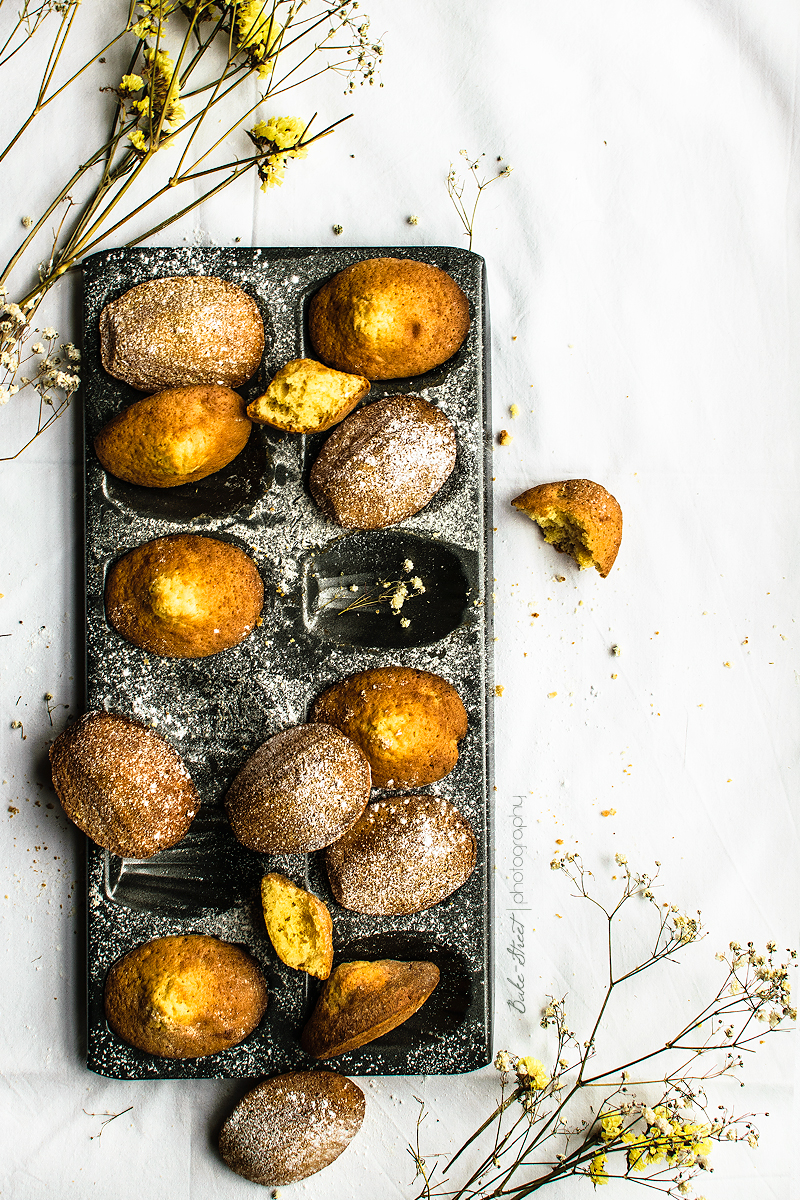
<point x="216" y="711"/>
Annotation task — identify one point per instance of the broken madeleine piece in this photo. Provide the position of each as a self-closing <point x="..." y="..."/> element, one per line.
<point x="307" y="397"/>
<point x="578" y="517"/>
<point x="299" y="926"/>
<point x="363" y="1000"/>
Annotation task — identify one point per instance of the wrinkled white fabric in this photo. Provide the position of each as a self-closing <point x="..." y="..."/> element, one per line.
<point x="643" y="270"/>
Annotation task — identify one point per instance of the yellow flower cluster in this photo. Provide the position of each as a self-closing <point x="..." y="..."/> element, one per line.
<point x="597" y="1169"/>
<point x="162" y="95"/>
<point x="611" y="1126"/>
<point x="278" y="140"/>
<point x="532" y="1073"/>
<point x="154" y="15"/>
<point x="668" y="1139"/>
<point x="163" y="90"/>
<point x="257" y="32"/>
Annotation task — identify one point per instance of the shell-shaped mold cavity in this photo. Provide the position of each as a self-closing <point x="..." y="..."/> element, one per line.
<point x="361" y="591"/>
<point x="233" y="490"/>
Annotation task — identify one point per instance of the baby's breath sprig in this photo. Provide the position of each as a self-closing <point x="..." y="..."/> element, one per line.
<point x="29" y="16"/>
<point x="188" y="57"/>
<point x="393" y="592"/>
<point x="456" y="186"/>
<point x="656" y="1130"/>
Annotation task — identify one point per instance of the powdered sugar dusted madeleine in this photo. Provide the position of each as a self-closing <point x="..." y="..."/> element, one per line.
<point x="123" y="785"/>
<point x="578" y="517"/>
<point x="179" y="435"/>
<point x="299" y="792"/>
<point x="307" y="397"/>
<point x="184" y="596"/>
<point x="388" y="318"/>
<point x="384" y="463"/>
<point x="292" y="1126"/>
<point x="403" y="855"/>
<point x="363" y="1000"/>
<point x="180" y="330"/>
<point x="407" y="722"/>
<point x="185" y="996"/>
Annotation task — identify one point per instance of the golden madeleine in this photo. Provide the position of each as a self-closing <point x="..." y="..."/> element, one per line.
<point x="184" y="596"/>
<point x="178" y="435"/>
<point x="185" y="996"/>
<point x="407" y="722"/>
<point x="578" y="517"/>
<point x="307" y="397"/>
<point x="182" y="329"/>
<point x="388" y="318"/>
<point x="299" y="926"/>
<point x="363" y="1000"/>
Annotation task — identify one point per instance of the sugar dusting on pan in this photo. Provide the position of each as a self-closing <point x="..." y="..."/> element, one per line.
<point x="217" y="711"/>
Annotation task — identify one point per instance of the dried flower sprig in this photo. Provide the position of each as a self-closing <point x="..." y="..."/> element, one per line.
<point x="29" y="16"/>
<point x="545" y="1129"/>
<point x="456" y="186"/>
<point x="188" y="63"/>
<point x="393" y="592"/>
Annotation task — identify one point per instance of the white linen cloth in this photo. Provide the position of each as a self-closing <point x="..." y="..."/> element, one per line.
<point x="643" y="262"/>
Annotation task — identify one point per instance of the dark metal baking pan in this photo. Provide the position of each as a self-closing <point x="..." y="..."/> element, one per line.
<point x="217" y="710"/>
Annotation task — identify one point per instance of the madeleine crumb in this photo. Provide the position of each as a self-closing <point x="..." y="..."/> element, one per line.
<point x="551" y="695"/>
<point x="504" y="438"/>
<point x="499" y="689"/>
<point x="727" y="664"/>
<point x="513" y="410"/>
<point x="608" y="812"/>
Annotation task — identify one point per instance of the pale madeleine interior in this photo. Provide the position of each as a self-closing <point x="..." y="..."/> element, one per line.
<point x="174" y="597"/>
<point x="566" y="533"/>
<point x="306" y="395"/>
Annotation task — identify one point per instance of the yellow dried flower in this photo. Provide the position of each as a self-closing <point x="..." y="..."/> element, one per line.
<point x="278" y="140"/>
<point x="138" y="140"/>
<point x="131" y="83"/>
<point x="597" y="1169"/>
<point x="611" y="1126"/>
<point x="258" y="33"/>
<point x="533" y="1072"/>
<point x="163" y="91"/>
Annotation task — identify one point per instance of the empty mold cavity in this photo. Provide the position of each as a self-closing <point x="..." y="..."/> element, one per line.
<point x="390" y="589"/>
<point x="233" y="490"/>
<point x="203" y="871"/>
